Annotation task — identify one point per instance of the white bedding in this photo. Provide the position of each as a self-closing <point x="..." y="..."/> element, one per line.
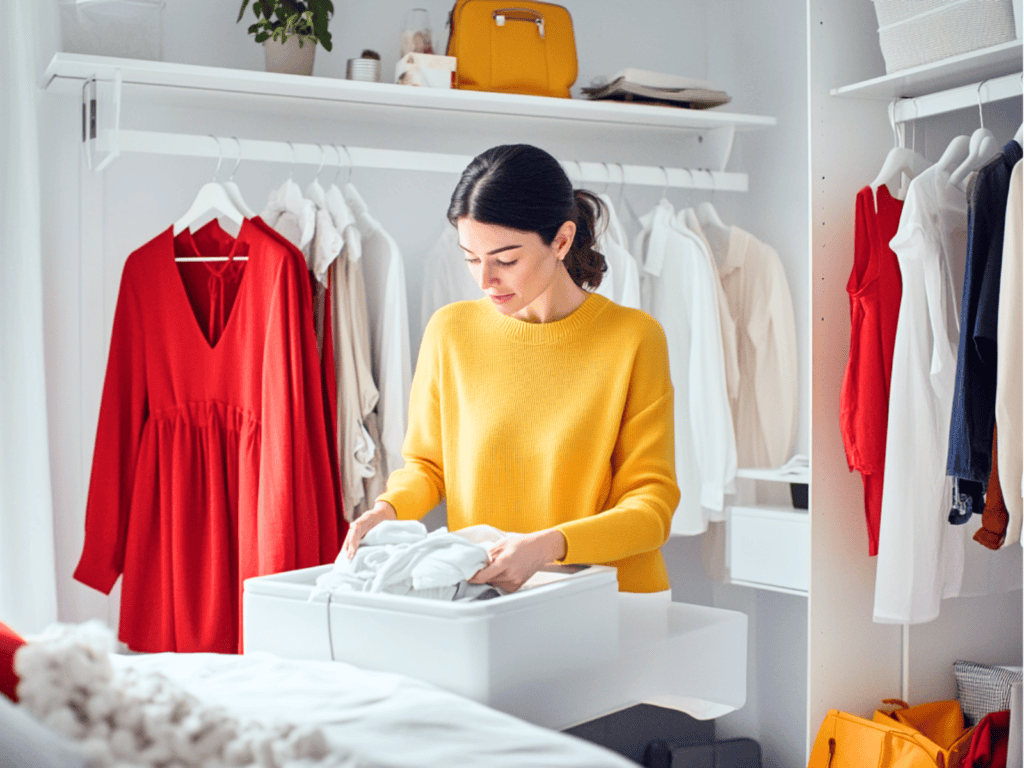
<point x="368" y="719"/>
<point x="381" y="719"/>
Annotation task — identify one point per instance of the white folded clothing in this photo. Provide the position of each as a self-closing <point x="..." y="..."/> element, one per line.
<point x="399" y="557"/>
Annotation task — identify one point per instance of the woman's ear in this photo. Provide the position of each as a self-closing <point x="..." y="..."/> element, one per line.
<point x="563" y="239"/>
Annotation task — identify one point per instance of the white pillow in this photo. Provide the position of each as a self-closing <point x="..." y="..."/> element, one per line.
<point x="27" y="743"/>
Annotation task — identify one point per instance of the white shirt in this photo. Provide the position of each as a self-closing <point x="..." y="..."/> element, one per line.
<point x="679" y="286"/>
<point x="621" y="283"/>
<point x="399" y="557"/>
<point x="292" y="216"/>
<point x="755" y="287"/>
<point x="921" y="557"/>
<point x="725" y="318"/>
<point x="387" y="308"/>
<point x="1009" y="389"/>
<point x="447" y="278"/>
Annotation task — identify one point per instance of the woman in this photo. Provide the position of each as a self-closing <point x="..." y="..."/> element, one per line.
<point x="541" y="409"/>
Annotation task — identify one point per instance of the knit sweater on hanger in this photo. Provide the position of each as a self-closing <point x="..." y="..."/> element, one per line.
<point x="528" y="426"/>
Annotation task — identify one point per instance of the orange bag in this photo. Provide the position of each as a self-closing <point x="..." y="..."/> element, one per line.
<point x="893" y="739"/>
<point x="941" y="722"/>
<point x="513" y="46"/>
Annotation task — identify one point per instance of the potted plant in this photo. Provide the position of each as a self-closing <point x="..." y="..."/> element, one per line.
<point x="289" y="31"/>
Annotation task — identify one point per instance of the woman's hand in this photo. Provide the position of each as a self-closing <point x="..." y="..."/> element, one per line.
<point x="362" y="525"/>
<point x="518" y="557"/>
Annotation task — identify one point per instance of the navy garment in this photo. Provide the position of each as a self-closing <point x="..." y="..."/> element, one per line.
<point x="974" y="399"/>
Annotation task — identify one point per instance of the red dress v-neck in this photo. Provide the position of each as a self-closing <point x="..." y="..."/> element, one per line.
<point x="875" y="288"/>
<point x="211" y="461"/>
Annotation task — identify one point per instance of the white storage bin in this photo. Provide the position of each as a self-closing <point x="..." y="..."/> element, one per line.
<point x="478" y="649"/>
<point x="916" y="32"/>
<point x="130" y="29"/>
<point x="770" y="548"/>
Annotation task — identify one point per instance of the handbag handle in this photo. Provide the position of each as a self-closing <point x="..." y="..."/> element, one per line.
<point x="500" y="16"/>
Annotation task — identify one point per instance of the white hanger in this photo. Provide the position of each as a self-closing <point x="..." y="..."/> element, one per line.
<point x="983" y="145"/>
<point x="232" y="189"/>
<point x="899" y="162"/>
<point x="955" y="154"/>
<point x="708" y="216"/>
<point x="1019" y="135"/>
<point x="337" y="205"/>
<point x="211" y="198"/>
<point x="314" y="191"/>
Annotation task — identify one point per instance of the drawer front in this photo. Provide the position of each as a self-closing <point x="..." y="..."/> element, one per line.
<point x="770" y="548"/>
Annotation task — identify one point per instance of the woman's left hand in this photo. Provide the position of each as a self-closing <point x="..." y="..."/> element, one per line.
<point x="520" y="555"/>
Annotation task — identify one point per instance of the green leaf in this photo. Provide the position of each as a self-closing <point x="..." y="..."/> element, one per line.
<point x="242" y="12"/>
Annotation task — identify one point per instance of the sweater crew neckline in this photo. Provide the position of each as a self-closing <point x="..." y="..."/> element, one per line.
<point x="544" y="333"/>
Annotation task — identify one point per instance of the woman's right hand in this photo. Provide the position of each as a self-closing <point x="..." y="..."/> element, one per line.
<point x="362" y="525"/>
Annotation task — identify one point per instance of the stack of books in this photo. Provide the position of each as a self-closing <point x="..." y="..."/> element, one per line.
<point x="638" y="85"/>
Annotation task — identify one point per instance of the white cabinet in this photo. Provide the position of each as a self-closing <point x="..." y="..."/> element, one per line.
<point x="769" y="547"/>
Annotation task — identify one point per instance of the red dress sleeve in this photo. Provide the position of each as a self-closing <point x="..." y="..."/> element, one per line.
<point x="123" y="413"/>
<point x="295" y="487"/>
<point x="849" y="402"/>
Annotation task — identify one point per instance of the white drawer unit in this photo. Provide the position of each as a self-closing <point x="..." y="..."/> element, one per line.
<point x="770" y="548"/>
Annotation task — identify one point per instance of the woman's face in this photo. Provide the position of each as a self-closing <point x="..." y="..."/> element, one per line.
<point x="515" y="269"/>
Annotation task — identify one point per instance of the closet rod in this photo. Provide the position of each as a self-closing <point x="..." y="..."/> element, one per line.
<point x="192" y="145"/>
<point x="965" y="96"/>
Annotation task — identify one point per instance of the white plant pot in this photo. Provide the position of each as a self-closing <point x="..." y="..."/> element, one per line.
<point x="288" y="57"/>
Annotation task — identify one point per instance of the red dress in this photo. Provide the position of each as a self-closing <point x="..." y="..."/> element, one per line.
<point x="211" y="461"/>
<point x="875" y="289"/>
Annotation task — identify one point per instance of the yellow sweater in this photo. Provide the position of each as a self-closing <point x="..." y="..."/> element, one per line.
<point x="528" y="426"/>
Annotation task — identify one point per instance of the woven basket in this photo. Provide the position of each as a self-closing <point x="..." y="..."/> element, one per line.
<point x="983" y="688"/>
<point x="915" y="32"/>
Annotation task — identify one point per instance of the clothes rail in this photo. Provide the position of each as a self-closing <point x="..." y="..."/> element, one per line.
<point x="965" y="96"/>
<point x="253" y="150"/>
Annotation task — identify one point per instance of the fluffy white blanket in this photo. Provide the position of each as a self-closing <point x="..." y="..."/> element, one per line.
<point x="121" y="717"/>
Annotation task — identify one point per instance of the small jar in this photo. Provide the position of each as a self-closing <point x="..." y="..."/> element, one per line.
<point x="365" y="68"/>
<point x="416" y="36"/>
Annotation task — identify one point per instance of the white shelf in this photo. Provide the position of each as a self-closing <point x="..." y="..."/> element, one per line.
<point x="775" y="476"/>
<point x="67" y="72"/>
<point x="973" y="67"/>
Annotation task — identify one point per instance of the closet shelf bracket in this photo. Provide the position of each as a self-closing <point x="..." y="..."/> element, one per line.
<point x="101" y="120"/>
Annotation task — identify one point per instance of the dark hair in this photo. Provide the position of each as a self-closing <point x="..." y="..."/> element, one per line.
<point x="522" y="187"/>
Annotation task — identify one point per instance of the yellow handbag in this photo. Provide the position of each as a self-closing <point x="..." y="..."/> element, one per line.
<point x="513" y="46"/>
<point x="848" y="741"/>
<point x="941" y="722"/>
<point x="926" y="736"/>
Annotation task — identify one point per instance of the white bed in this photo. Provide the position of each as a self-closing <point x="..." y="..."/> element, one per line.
<point x="382" y="719"/>
<point x="367" y="719"/>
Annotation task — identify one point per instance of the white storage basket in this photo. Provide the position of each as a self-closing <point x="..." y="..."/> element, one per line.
<point x="916" y="32"/>
<point x="129" y="29"/>
<point x="479" y="649"/>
